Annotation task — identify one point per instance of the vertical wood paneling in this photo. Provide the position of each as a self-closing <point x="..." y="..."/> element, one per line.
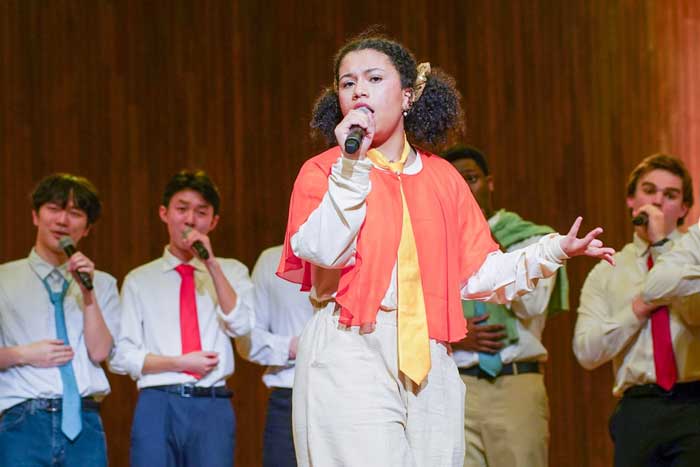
<point x="564" y="97"/>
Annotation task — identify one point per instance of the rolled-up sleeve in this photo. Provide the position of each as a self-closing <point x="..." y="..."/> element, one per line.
<point x="240" y="320"/>
<point x="130" y="353"/>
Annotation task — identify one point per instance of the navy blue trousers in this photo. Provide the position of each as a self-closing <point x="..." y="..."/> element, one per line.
<point x="174" y="431"/>
<point x="278" y="444"/>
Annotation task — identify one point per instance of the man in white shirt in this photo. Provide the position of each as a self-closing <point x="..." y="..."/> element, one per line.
<point x="501" y="359"/>
<point x="281" y="312"/>
<point x="58" y="316"/>
<point x="653" y="349"/>
<point x="178" y="313"/>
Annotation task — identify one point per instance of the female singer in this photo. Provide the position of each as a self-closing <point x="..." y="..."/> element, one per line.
<point x="389" y="238"/>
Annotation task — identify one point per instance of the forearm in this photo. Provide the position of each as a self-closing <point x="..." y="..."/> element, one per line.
<point x="504" y="276"/>
<point x="98" y="339"/>
<point x="597" y="341"/>
<point x="153" y="364"/>
<point x="11" y="356"/>
<point x="225" y="293"/>
<point x="329" y="235"/>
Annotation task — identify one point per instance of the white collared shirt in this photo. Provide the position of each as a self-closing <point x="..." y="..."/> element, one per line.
<point x="530" y="310"/>
<point x="281" y="312"/>
<point x="27" y="315"/>
<point x="607" y="328"/>
<point x="328" y="239"/>
<point x="676" y="275"/>
<point x="151" y="319"/>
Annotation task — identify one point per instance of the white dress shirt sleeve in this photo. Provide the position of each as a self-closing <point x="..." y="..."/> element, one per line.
<point x="108" y="298"/>
<point x="504" y="276"/>
<point x="601" y="332"/>
<point x="676" y="273"/>
<point x="131" y="352"/>
<point x="238" y="321"/>
<point x="535" y="303"/>
<point x="262" y="346"/>
<point x="329" y="236"/>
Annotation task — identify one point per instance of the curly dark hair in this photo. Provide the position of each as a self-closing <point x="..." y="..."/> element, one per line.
<point x="430" y="119"/>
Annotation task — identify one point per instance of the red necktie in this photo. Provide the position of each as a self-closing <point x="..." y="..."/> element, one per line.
<point x="189" y="324"/>
<point x="664" y="359"/>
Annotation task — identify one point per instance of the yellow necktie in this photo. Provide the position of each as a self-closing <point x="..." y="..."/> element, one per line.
<point x="414" y="344"/>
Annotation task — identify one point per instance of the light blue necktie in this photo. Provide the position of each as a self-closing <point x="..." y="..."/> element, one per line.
<point x="71" y="421"/>
<point x="490" y="363"/>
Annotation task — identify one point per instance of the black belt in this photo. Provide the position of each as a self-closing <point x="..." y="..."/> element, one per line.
<point x="514" y="368"/>
<point x="190" y="390"/>
<point x="680" y="390"/>
<point x="55" y="405"/>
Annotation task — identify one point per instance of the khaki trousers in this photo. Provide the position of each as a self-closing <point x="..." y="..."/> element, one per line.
<point x="506" y="423"/>
<point x="352" y="408"/>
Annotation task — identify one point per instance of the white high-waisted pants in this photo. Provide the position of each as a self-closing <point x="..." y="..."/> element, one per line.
<point x="352" y="408"/>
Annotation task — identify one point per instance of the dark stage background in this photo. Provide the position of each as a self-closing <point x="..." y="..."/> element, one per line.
<point x="564" y="96"/>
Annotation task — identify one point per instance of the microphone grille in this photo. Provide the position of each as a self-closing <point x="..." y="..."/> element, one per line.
<point x="65" y="242"/>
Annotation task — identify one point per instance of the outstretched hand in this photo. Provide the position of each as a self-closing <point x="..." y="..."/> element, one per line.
<point x="588" y="245"/>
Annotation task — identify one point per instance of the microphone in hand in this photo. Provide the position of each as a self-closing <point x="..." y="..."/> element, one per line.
<point x="198" y="246"/>
<point x="641" y="219"/>
<point x="356" y="135"/>
<point x="66" y="243"/>
<point x="354" y="139"/>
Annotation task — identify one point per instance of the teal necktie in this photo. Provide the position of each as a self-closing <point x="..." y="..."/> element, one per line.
<point x="490" y="363"/>
<point x="71" y="421"/>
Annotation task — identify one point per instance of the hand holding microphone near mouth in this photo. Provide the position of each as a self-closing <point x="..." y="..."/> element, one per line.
<point x="355" y="132"/>
<point x="649" y="222"/>
<point x="78" y="264"/>
<point x="198" y="242"/>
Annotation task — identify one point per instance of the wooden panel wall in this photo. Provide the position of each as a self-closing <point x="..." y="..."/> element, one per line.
<point x="565" y="98"/>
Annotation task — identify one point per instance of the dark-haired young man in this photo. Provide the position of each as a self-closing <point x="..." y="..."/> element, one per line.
<point x="654" y="349"/>
<point x="178" y="313"/>
<point x="500" y="361"/>
<point x="54" y="333"/>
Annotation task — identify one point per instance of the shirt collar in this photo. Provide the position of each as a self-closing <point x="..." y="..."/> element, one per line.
<point x="641" y="247"/>
<point x="493" y="220"/>
<point x="43" y="269"/>
<point x="409" y="169"/>
<point x="170" y="261"/>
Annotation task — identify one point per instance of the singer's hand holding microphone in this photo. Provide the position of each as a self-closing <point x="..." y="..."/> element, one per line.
<point x="355" y="132"/>
<point x="649" y="221"/>
<point x="78" y="264"/>
<point x="198" y="242"/>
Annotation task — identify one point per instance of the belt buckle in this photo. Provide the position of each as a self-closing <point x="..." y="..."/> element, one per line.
<point x="52" y="405"/>
<point x="187" y="390"/>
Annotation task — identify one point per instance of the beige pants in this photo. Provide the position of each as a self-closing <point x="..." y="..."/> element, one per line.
<point x="351" y="407"/>
<point x="506" y="423"/>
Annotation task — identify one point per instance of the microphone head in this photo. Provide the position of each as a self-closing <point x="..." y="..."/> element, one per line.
<point x="352" y="143"/>
<point x="641" y="219"/>
<point x="66" y="242"/>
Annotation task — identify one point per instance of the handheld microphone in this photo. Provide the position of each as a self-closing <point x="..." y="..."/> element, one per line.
<point x="354" y="139"/>
<point x="66" y="243"/>
<point x="641" y="219"/>
<point x="198" y="247"/>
